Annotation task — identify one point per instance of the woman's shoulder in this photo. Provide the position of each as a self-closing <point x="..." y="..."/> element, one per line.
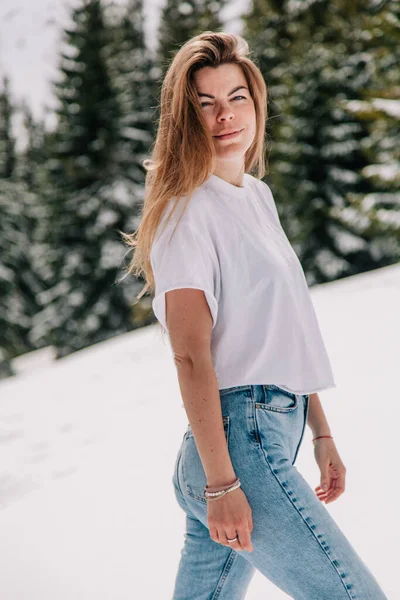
<point x="187" y="208"/>
<point x="264" y="192"/>
<point x="258" y="184"/>
<point x="185" y="214"/>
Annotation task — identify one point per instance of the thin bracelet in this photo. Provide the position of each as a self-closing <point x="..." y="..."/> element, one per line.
<point x="322" y="436"/>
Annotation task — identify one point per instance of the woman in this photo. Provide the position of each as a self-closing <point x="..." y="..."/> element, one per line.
<point x="248" y="351"/>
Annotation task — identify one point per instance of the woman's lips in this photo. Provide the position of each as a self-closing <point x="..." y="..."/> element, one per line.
<point x="228" y="135"/>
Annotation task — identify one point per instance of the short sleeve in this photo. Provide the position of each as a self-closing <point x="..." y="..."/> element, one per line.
<point x="187" y="260"/>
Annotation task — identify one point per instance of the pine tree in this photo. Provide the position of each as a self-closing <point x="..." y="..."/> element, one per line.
<point x="380" y="111"/>
<point x="10" y="312"/>
<point x="272" y="28"/>
<point x="135" y="77"/>
<point x="181" y="20"/>
<point x="7" y="142"/>
<point x="90" y="202"/>
<point x="318" y="161"/>
<point x="17" y="291"/>
<point x="31" y="159"/>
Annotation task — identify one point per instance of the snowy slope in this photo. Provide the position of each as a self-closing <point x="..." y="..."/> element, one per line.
<point x="88" y="444"/>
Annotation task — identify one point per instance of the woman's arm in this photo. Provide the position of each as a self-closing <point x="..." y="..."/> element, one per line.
<point x="333" y="471"/>
<point x="190" y="327"/>
<point x="316" y="417"/>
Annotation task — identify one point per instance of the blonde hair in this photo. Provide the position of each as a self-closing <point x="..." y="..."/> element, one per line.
<point x="183" y="155"/>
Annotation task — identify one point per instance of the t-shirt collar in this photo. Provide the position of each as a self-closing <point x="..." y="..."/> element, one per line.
<point x="227" y="188"/>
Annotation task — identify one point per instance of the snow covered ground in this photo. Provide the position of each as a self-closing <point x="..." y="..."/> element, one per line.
<point x="88" y="444"/>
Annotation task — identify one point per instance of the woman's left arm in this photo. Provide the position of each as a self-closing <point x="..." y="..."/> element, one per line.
<point x="333" y="471"/>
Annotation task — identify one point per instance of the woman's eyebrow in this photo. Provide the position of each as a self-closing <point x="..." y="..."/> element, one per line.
<point x="230" y="93"/>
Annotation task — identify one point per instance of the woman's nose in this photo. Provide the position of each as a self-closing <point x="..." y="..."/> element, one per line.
<point x="225" y="113"/>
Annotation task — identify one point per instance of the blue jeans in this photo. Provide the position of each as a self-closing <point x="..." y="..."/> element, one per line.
<point x="297" y="544"/>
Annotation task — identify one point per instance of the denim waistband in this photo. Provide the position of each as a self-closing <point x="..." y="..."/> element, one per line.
<point x="269" y="386"/>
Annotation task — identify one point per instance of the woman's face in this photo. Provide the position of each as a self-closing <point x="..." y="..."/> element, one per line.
<point x="227" y="106"/>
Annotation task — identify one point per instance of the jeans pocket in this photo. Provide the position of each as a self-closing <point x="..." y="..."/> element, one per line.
<point x="176" y="483"/>
<point x="278" y="400"/>
<point x="306" y="405"/>
<point x="193" y="475"/>
<point x="278" y="422"/>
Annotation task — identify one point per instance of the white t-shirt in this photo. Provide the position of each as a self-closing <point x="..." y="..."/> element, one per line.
<point x="230" y="244"/>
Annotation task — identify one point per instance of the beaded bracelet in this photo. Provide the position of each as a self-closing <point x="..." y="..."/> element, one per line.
<point x="218" y="494"/>
<point x="219" y="488"/>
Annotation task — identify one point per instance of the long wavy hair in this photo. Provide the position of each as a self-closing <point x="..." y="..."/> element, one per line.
<point x="183" y="153"/>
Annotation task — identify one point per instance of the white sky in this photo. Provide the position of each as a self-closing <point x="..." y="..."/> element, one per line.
<point x="88" y="445"/>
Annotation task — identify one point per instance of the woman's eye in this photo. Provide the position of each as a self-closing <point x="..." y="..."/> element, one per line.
<point x="206" y="103"/>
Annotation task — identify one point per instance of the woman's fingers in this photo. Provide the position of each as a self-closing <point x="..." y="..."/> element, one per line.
<point x="243" y="534"/>
<point x="333" y="494"/>
<point x="244" y="537"/>
<point x="223" y="539"/>
<point x="229" y="517"/>
<point x="320" y="492"/>
<point x="336" y="488"/>
<point x="213" y="532"/>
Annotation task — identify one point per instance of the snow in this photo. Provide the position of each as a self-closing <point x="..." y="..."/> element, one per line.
<point x="390" y="107"/>
<point x="389" y="172"/>
<point x="88" y="444"/>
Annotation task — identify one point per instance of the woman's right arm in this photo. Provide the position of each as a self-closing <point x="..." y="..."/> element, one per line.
<point x="190" y="325"/>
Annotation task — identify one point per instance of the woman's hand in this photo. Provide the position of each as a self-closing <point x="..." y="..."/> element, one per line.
<point x="333" y="471"/>
<point x="230" y="516"/>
